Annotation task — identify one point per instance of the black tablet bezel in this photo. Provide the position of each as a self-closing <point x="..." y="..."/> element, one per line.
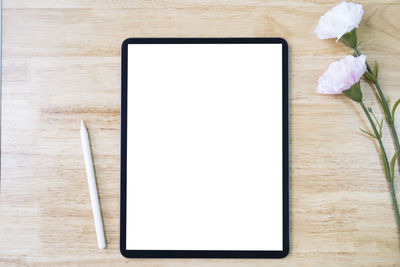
<point x="285" y="154"/>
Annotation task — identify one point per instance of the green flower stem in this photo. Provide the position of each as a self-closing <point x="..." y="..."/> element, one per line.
<point x="385" y="107"/>
<point x="379" y="139"/>
<point x="385" y="163"/>
<point x="396" y="208"/>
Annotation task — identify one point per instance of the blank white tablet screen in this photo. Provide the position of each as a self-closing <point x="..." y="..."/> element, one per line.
<point x="204" y="147"/>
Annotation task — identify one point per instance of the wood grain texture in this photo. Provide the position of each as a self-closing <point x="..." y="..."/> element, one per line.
<point x="61" y="63"/>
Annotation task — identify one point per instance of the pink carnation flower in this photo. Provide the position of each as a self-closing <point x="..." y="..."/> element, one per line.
<point x="341" y="75"/>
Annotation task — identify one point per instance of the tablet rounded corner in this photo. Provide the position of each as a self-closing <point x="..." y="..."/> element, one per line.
<point x="124" y="253"/>
<point x="285" y="253"/>
<point x="125" y="43"/>
<point x="283" y="42"/>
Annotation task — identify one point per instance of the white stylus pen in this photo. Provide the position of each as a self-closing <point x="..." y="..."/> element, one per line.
<point x="98" y="223"/>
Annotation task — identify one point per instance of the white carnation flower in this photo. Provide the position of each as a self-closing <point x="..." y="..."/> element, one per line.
<point x="342" y="74"/>
<point x="339" y="20"/>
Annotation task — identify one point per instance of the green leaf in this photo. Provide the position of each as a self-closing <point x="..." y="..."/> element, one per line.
<point x="368" y="76"/>
<point x="377" y="122"/>
<point x="392" y="163"/>
<point x="375" y="118"/>
<point x="381" y="104"/>
<point x="395" y="107"/>
<point x="354" y="92"/>
<point x="376" y="69"/>
<point x="368" y="133"/>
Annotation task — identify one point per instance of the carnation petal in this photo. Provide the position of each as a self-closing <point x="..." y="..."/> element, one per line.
<point x="341" y="19"/>
<point x="342" y="74"/>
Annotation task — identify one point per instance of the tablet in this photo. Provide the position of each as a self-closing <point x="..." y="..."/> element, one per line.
<point x="204" y="148"/>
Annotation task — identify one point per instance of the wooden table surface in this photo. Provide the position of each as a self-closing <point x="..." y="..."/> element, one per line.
<point x="61" y="63"/>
